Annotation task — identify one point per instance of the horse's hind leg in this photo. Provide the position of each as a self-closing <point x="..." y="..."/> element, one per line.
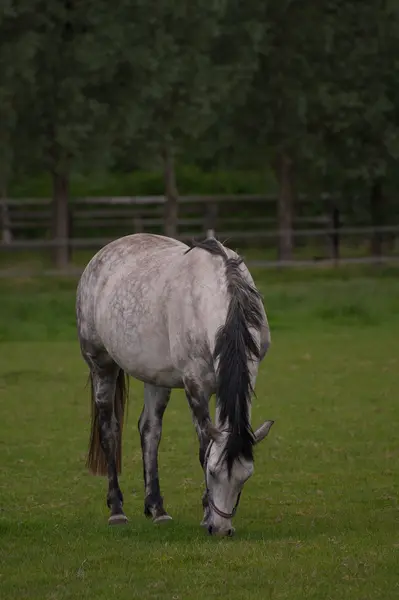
<point x="108" y="400"/>
<point x="150" y="426"/>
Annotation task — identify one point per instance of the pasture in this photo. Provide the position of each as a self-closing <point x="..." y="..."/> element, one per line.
<point x="319" y="519"/>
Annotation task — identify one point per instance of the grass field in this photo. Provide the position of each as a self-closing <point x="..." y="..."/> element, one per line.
<point x="320" y="517"/>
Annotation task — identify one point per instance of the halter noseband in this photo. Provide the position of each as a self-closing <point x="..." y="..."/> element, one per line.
<point x="211" y="503"/>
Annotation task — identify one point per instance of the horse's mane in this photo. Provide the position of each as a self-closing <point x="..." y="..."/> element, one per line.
<point x="234" y="347"/>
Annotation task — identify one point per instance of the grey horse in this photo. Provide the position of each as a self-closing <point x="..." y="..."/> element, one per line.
<point x="173" y="316"/>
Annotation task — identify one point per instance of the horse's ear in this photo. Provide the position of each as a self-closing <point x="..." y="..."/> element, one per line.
<point x="262" y="431"/>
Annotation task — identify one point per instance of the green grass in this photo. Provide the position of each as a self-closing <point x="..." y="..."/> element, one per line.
<point x="319" y="518"/>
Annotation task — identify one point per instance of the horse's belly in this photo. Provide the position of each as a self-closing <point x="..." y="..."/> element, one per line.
<point x="144" y="357"/>
<point x="163" y="378"/>
<point x="162" y="374"/>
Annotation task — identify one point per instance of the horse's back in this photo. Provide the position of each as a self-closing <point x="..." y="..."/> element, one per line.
<point x="130" y="251"/>
<point x="124" y="257"/>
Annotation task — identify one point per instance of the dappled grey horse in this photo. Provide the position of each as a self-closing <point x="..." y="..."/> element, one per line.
<point x="173" y="316"/>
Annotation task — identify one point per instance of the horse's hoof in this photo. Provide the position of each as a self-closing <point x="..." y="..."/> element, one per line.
<point x="162" y="519"/>
<point x="118" y="520"/>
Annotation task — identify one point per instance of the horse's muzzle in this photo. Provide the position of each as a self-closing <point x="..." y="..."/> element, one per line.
<point x="212" y="530"/>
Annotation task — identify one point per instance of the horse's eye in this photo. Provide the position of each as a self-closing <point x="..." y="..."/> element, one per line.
<point x="212" y="474"/>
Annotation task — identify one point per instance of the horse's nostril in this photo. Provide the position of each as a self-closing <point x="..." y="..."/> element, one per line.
<point x="210" y="529"/>
<point x="231" y="532"/>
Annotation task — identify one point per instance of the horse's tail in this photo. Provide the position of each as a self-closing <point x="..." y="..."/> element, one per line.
<point x="96" y="461"/>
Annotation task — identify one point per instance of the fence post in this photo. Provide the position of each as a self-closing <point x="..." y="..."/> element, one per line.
<point x="377" y="218"/>
<point x="70" y="232"/>
<point x="335" y="237"/>
<point x="138" y="224"/>
<point x="211" y="214"/>
<point x="5" y="221"/>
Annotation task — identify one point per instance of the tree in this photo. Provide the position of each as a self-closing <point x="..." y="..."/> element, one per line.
<point x="357" y="122"/>
<point x="16" y="71"/>
<point x="196" y="72"/>
<point x="322" y="103"/>
<point x="75" y="116"/>
<point x="273" y="122"/>
<point x="235" y="57"/>
<point x="181" y="100"/>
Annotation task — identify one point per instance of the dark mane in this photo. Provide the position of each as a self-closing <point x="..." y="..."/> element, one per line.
<point x="235" y="346"/>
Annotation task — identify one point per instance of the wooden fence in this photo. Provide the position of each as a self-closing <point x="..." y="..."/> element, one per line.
<point x="26" y="224"/>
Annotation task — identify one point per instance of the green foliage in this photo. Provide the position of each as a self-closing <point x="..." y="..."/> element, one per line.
<point x="205" y="54"/>
<point x="17" y="50"/>
<point x="192" y="180"/>
<point x="274" y="116"/>
<point x="87" y="88"/>
<point x="71" y="116"/>
<point x="325" y="92"/>
<point x="356" y="104"/>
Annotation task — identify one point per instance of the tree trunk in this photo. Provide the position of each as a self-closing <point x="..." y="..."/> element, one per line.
<point x="171" y="193"/>
<point x="60" y="220"/>
<point x="377" y="217"/>
<point x="285" y="206"/>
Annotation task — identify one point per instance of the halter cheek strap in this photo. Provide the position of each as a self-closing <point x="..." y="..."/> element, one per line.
<point x="211" y="503"/>
<point x="220" y="512"/>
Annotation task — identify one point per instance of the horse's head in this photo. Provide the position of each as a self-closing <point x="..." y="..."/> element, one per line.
<point x="224" y="486"/>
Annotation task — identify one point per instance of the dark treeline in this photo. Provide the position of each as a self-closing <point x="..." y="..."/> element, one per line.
<point x="306" y="89"/>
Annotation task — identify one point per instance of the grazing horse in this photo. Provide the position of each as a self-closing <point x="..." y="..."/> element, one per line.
<point x="173" y="316"/>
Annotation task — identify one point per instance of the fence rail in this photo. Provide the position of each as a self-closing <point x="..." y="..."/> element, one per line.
<point x="26" y="224"/>
<point x="197" y="215"/>
<point x="235" y="235"/>
<point x="258" y="264"/>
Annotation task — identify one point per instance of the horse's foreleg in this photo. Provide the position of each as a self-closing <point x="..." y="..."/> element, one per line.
<point x="104" y="381"/>
<point x="199" y="404"/>
<point x="150" y="426"/>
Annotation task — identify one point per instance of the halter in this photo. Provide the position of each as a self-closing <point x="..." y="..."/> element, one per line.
<point x="208" y="493"/>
